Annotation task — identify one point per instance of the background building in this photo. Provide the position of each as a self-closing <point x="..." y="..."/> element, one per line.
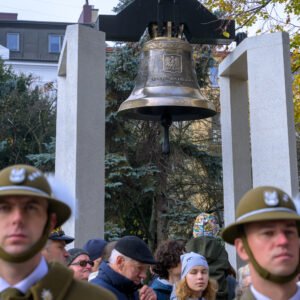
<point x="33" y="47"/>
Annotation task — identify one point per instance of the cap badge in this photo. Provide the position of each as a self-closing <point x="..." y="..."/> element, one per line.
<point x="17" y="175"/>
<point x="271" y="198"/>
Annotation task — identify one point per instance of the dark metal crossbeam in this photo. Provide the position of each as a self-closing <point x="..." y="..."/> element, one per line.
<point x="200" y="25"/>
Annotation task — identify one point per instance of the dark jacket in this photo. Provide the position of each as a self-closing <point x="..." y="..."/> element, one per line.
<point x="121" y="286"/>
<point x="162" y="291"/>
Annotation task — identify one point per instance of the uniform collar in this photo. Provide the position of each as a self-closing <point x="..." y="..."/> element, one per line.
<point x="257" y="295"/>
<point x="260" y="296"/>
<point x="24" y="285"/>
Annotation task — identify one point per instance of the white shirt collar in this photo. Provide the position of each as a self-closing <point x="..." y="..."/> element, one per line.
<point x="164" y="281"/>
<point x="260" y="296"/>
<point x="93" y="275"/>
<point x="257" y="295"/>
<point x="24" y="285"/>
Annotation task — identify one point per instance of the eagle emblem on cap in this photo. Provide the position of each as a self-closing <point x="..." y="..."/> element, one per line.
<point x="271" y="198"/>
<point x="17" y="175"/>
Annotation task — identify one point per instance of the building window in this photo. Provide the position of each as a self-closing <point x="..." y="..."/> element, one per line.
<point x="13" y="41"/>
<point x="55" y="43"/>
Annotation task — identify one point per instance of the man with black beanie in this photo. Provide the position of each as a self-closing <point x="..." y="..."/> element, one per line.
<point x="127" y="268"/>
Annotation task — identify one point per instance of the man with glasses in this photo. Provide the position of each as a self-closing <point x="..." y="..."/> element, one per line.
<point x="80" y="263"/>
<point x="55" y="247"/>
<point x="127" y="269"/>
<point x="28" y="213"/>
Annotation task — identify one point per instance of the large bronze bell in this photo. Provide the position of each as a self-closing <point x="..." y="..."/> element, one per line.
<point x="166" y="84"/>
<point x="166" y="87"/>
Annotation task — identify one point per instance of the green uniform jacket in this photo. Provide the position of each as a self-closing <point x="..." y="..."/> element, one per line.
<point x="59" y="284"/>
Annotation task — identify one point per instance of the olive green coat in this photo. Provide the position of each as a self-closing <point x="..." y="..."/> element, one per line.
<point x="59" y="284"/>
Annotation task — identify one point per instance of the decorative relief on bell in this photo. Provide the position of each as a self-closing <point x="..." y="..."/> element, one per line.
<point x="163" y="43"/>
<point x="172" y="63"/>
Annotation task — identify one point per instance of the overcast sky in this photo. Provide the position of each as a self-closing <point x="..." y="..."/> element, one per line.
<point x="53" y="10"/>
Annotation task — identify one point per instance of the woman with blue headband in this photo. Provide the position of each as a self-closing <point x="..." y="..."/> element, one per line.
<point x="195" y="282"/>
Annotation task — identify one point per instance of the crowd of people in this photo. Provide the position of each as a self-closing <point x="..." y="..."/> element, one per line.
<point x="34" y="262"/>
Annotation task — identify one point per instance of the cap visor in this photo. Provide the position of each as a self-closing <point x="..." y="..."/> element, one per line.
<point x="232" y="231"/>
<point x="62" y="210"/>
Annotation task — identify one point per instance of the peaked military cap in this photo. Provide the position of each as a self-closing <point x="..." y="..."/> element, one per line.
<point x="59" y="235"/>
<point x="24" y="180"/>
<point x="263" y="203"/>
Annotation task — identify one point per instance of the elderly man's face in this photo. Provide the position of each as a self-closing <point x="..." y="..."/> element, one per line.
<point x="133" y="270"/>
<point x="81" y="266"/>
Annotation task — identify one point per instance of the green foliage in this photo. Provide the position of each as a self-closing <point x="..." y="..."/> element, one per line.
<point x="27" y="117"/>
<point x="203" y="57"/>
<point x="47" y="158"/>
<point x="124" y="187"/>
<point x="121" y="68"/>
<point x="112" y="231"/>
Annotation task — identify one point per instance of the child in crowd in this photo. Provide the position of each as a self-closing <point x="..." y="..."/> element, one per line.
<point x="167" y="268"/>
<point x="195" y="282"/>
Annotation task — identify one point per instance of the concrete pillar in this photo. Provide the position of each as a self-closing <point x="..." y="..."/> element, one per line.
<point x="236" y="150"/>
<point x="257" y="121"/>
<point x="273" y="141"/>
<point x="80" y="132"/>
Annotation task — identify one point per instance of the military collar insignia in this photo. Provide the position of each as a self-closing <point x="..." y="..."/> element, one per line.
<point x="46" y="295"/>
<point x="271" y="198"/>
<point x="17" y="175"/>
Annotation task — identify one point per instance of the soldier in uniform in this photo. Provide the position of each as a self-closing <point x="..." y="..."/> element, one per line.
<point x="28" y="213"/>
<point x="55" y="247"/>
<point x="266" y="235"/>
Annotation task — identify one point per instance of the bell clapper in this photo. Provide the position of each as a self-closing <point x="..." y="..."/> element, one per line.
<point x="166" y="122"/>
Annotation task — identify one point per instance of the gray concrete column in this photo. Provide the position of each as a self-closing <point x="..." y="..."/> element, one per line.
<point x="80" y="132"/>
<point x="236" y="151"/>
<point x="257" y="120"/>
<point x="273" y="140"/>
